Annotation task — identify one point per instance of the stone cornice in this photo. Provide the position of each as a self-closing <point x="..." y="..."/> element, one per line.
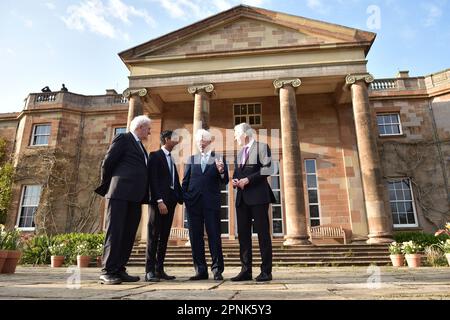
<point x="208" y="88"/>
<point x="131" y="92"/>
<point x="353" y="78"/>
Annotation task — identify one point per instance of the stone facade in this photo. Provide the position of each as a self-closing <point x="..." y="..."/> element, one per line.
<point x="195" y="76"/>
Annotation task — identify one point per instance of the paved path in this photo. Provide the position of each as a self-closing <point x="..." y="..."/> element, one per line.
<point x="343" y="283"/>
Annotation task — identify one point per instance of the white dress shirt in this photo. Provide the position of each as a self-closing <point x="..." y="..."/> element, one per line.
<point x="169" y="162"/>
<point x="139" y="143"/>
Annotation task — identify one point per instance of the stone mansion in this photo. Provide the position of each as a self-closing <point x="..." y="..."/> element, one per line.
<point x="370" y="155"/>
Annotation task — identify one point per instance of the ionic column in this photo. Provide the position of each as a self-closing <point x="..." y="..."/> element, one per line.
<point x="296" y="226"/>
<point x="375" y="193"/>
<point x="202" y="97"/>
<point x="135" y="106"/>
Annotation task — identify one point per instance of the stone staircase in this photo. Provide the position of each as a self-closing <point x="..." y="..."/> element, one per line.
<point x="313" y="256"/>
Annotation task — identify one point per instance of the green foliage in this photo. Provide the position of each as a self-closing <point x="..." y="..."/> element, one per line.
<point x="395" y="248"/>
<point x="10" y="240"/>
<point x="6" y="178"/>
<point x="420" y="238"/>
<point x="36" y="250"/>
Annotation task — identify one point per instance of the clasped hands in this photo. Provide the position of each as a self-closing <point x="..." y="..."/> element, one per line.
<point x="240" y="183"/>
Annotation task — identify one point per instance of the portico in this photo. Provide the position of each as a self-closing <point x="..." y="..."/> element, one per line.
<point x="302" y="85"/>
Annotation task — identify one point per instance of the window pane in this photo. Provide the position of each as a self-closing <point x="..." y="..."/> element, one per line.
<point x="237" y="110"/>
<point x="396" y="219"/>
<point x="315" y="223"/>
<point x="223" y="213"/>
<point x="403" y="219"/>
<point x="276" y="182"/>
<point x="276" y="212"/>
<point x="277" y="197"/>
<point x="224" y="227"/>
<point x="42" y="129"/>
<point x="258" y="109"/>
<point x="389" y="130"/>
<point x="394" y="118"/>
<point x="224" y="199"/>
<point x="396" y="129"/>
<point x="40" y="140"/>
<point x="411" y="218"/>
<point x="382" y="129"/>
<point x="312" y="181"/>
<point x="119" y="131"/>
<point x="314" y="211"/>
<point x="380" y="120"/>
<point x="237" y="121"/>
<point x="312" y="196"/>
<point x="277" y="226"/>
<point x="252" y="120"/>
<point x="310" y="166"/>
<point x="251" y="109"/>
<point x="243" y="109"/>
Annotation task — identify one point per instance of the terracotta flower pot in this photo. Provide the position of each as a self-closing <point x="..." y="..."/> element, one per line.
<point x="57" y="261"/>
<point x="3" y="255"/>
<point x="99" y="262"/>
<point x="398" y="260"/>
<point x="414" y="260"/>
<point x="447" y="255"/>
<point x="10" y="264"/>
<point x="83" y="261"/>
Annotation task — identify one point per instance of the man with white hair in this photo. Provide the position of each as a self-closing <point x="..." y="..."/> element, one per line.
<point x="204" y="176"/>
<point x="252" y="168"/>
<point x="125" y="183"/>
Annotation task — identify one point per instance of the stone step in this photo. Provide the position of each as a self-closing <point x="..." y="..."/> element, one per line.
<point x="278" y="263"/>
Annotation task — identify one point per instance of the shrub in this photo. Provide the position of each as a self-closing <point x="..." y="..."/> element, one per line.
<point x="73" y="240"/>
<point x="11" y="240"/>
<point x="420" y="238"/>
<point x="58" y="249"/>
<point x="435" y="257"/>
<point x="36" y="250"/>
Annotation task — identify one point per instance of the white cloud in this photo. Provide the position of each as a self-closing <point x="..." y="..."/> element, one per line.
<point x="318" y="6"/>
<point x="99" y="16"/>
<point x="434" y="13"/>
<point x="50" y="5"/>
<point x="185" y="9"/>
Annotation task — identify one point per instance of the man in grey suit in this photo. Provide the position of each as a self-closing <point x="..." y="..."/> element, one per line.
<point x="252" y="168"/>
<point x="125" y="183"/>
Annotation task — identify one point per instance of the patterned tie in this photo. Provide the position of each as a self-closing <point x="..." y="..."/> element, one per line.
<point x="244" y="157"/>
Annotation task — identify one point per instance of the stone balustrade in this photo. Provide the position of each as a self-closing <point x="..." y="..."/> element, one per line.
<point x="38" y="100"/>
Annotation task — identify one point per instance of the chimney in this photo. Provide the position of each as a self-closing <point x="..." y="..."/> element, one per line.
<point x="403" y="74"/>
<point x="111" y="92"/>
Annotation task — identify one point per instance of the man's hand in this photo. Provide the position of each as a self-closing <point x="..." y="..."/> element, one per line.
<point x="242" y="183"/>
<point x="235" y="183"/>
<point x="162" y="208"/>
<point x="220" y="166"/>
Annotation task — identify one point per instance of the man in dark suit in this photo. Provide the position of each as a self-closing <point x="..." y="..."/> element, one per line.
<point x="165" y="190"/>
<point x="205" y="173"/>
<point x="125" y="184"/>
<point x="252" y="167"/>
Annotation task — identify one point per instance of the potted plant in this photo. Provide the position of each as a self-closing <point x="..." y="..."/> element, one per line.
<point x="11" y="243"/>
<point x="3" y="253"/>
<point x="397" y="258"/>
<point x="412" y="254"/>
<point x="83" y="254"/>
<point x="445" y="246"/>
<point x="58" y="252"/>
<point x="98" y="252"/>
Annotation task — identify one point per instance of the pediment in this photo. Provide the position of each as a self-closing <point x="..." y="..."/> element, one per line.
<point x="245" y="28"/>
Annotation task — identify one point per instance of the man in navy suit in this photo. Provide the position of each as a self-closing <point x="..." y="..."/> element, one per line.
<point x="205" y="173"/>
<point x="125" y="184"/>
<point x="253" y="166"/>
<point x="165" y="194"/>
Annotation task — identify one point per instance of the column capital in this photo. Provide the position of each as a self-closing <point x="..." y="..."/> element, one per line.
<point x="208" y="88"/>
<point x="353" y="78"/>
<point x="131" y="92"/>
<point x="280" y="83"/>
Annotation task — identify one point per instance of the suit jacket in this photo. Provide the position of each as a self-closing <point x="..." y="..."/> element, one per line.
<point x="160" y="180"/>
<point x="124" y="172"/>
<point x="203" y="187"/>
<point x="257" y="169"/>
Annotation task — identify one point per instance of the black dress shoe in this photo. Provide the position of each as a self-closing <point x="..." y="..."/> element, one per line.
<point x="264" y="277"/>
<point x="199" y="276"/>
<point x="243" y="276"/>
<point x="218" y="277"/>
<point x="127" y="278"/>
<point x="110" y="279"/>
<point x="151" y="277"/>
<point x="165" y="276"/>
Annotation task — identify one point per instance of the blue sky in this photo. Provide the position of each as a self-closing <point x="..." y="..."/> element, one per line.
<point x="50" y="42"/>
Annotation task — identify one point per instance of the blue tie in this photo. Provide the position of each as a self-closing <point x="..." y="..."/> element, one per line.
<point x="203" y="163"/>
<point x="170" y="170"/>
